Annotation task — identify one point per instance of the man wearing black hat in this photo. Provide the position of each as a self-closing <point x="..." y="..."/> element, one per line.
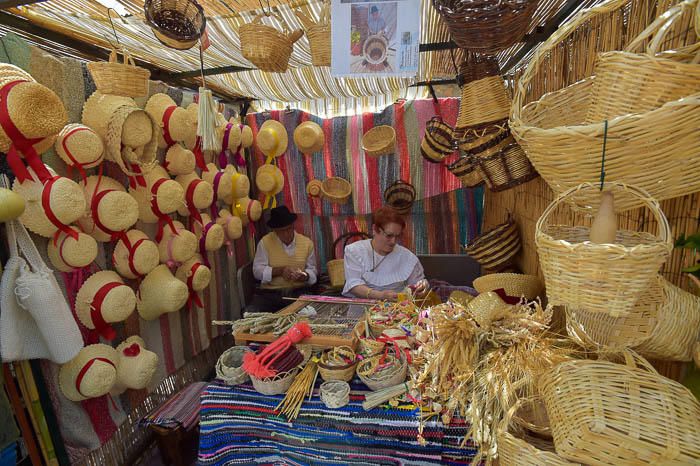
<point x="376" y="23"/>
<point x="284" y="262"/>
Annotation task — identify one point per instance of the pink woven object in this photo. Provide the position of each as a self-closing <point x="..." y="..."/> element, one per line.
<point x="260" y="365"/>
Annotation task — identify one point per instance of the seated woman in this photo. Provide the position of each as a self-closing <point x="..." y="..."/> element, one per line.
<point x="379" y="268"/>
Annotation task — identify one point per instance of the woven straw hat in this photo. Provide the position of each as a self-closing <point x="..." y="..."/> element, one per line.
<point x="34" y="109"/>
<point x="114" y="211"/>
<point x="269" y="179"/>
<point x="135" y="365"/>
<point x="240" y="185"/>
<point x="137" y="258"/>
<point x="246" y="137"/>
<point x="215" y="233"/>
<point x="234" y="134"/>
<point x="233" y="228"/>
<point x="90" y="374"/>
<point x="487" y="307"/>
<point x="309" y="137"/>
<point x="192" y="118"/>
<point x="67" y="254"/>
<point x="313" y="188"/>
<point x="79" y="146"/>
<point x="194" y="273"/>
<point x="104" y="299"/>
<point x="198" y="193"/>
<point x="272" y="138"/>
<point x="177" y="247"/>
<point x="178" y="120"/>
<point x="179" y="160"/>
<point x="230" y="185"/>
<point x="65" y="202"/>
<point x="160" y="292"/>
<point x="247" y="209"/>
<point x="168" y="195"/>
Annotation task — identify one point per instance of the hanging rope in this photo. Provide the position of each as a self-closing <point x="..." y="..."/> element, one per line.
<point x="114" y="31"/>
<point x="602" y="161"/>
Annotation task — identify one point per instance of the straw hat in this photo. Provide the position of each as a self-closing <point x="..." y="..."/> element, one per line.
<point x="272" y="138"/>
<point x="135" y="365"/>
<point x="135" y="257"/>
<point x="233" y="228"/>
<point x="313" y="188"/>
<point x="269" y="179"/>
<point x="214" y="237"/>
<point x="109" y="212"/>
<point x="234" y="135"/>
<point x="230" y="184"/>
<point x="309" y="137"/>
<point x="198" y="193"/>
<point x="176" y="122"/>
<point x="67" y="254"/>
<point x="194" y="273"/>
<point x="487" y="307"/>
<point x="90" y="374"/>
<point x="240" y="185"/>
<point x="160" y="292"/>
<point x="79" y="146"/>
<point x="35" y="110"/>
<point x="192" y="118"/>
<point x="160" y="191"/>
<point x="246" y="137"/>
<point x="247" y="209"/>
<point x="179" y="160"/>
<point x="104" y="299"/>
<point x="177" y="248"/>
<point x="66" y="203"/>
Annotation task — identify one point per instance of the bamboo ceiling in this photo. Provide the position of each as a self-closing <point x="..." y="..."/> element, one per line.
<point x="87" y="21"/>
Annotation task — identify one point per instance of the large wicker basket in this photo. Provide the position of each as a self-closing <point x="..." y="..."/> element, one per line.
<point x="607" y="278"/>
<point x="123" y="79"/>
<point x="437" y="143"/>
<point x="606" y="413"/>
<point x="507" y="168"/>
<point x="319" y="35"/>
<point x="266" y="47"/>
<point x="565" y="143"/>
<point x="483" y="101"/>
<point x="176" y="23"/>
<point x="495" y="249"/>
<point x="335" y="189"/>
<point x="379" y="141"/>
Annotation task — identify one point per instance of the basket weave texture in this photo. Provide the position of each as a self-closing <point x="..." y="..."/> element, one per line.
<point x="496" y="248"/>
<point x="344" y="372"/>
<point x="336" y="189"/>
<point x="319" y="35"/>
<point x="437" y="143"/>
<point x="335" y="394"/>
<point x="400" y="195"/>
<point x="506" y="168"/>
<point x="379" y="141"/>
<point x="176" y="23"/>
<point x="467" y="170"/>
<point x="384" y="379"/>
<point x="266" y="47"/>
<point x="274" y="385"/>
<point x="229" y="366"/>
<point x="123" y="79"/>
<point x="483" y="101"/>
<point x="514" y="284"/>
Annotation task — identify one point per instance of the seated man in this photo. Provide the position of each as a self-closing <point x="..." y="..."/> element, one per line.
<point x="284" y="263"/>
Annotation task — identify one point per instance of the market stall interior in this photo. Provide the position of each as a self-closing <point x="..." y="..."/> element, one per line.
<point x="400" y="232"/>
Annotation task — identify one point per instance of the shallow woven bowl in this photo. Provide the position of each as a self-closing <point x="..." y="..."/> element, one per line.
<point x="336" y="189"/>
<point x="379" y="141"/>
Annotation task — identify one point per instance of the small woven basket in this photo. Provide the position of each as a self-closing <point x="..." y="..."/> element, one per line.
<point x="313" y="188"/>
<point x="437" y="143"/>
<point x="319" y="35"/>
<point x="401" y="196"/>
<point x="276" y="385"/>
<point x="394" y="375"/>
<point x="507" y="168"/>
<point x="606" y="278"/>
<point x="335" y="189"/>
<point x="229" y="366"/>
<point x="496" y="249"/>
<point x="483" y="101"/>
<point x="330" y="371"/>
<point x="379" y="141"/>
<point x="335" y="394"/>
<point x="467" y="170"/>
<point x="123" y="79"/>
<point x="176" y="23"/>
<point x="514" y="284"/>
<point x="266" y="47"/>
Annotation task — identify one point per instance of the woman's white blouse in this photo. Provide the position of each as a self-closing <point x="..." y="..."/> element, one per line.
<point x="394" y="271"/>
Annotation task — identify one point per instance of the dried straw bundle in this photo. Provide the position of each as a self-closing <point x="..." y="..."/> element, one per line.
<point x="291" y="404"/>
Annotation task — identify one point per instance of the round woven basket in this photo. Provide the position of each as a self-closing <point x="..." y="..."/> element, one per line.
<point x="229" y="366"/>
<point x="274" y="385"/>
<point x="532" y="415"/>
<point x="343" y="372"/>
<point x="607" y="278"/>
<point x="335" y="394"/>
<point x="528" y="450"/>
<point x="176" y="23"/>
<point x="266" y="47"/>
<point x="507" y="168"/>
<point x="467" y="170"/>
<point x="400" y="195"/>
<point x="379" y="141"/>
<point x="370" y="347"/>
<point x="336" y="190"/>
<point x="514" y="284"/>
<point x="496" y="248"/>
<point x="122" y="79"/>
<point x="437" y="143"/>
<point x="383" y="379"/>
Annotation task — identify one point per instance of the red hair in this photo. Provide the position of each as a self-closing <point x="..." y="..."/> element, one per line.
<point x="385" y="215"/>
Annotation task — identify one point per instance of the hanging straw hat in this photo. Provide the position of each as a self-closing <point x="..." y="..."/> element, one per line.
<point x="228" y="183"/>
<point x="161" y="195"/>
<point x="198" y="193"/>
<point x="247" y="209"/>
<point x="172" y="120"/>
<point x="79" y="146"/>
<point x="90" y="374"/>
<point x="135" y="365"/>
<point x="272" y="138"/>
<point x="194" y="273"/>
<point x="246" y="137"/>
<point x="233" y="139"/>
<point x="177" y="248"/>
<point x="136" y="256"/>
<point x="487" y="308"/>
<point x="269" y="179"/>
<point x="233" y="227"/>
<point x="179" y="160"/>
<point x="67" y="254"/>
<point x="61" y="198"/>
<point x="104" y="299"/>
<point x="240" y="185"/>
<point x="110" y="208"/>
<point x="192" y="118"/>
<point x="309" y="137"/>
<point x="313" y="188"/>
<point x="214" y="234"/>
<point x="160" y="292"/>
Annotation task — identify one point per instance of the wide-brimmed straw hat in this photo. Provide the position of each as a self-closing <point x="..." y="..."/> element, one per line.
<point x="232" y="139"/>
<point x="161" y="195"/>
<point x="172" y="120"/>
<point x="159" y="293"/>
<point x="61" y="198"/>
<point x="175" y="248"/>
<point x="79" y="146"/>
<point x="233" y="227"/>
<point x="135" y="365"/>
<point x="487" y="308"/>
<point x="102" y="300"/>
<point x="228" y="183"/>
<point x="68" y="254"/>
<point x="194" y="273"/>
<point x="309" y="137"/>
<point x="110" y="209"/>
<point x="90" y="374"/>
<point x="214" y="235"/>
<point x="136" y="256"/>
<point x="198" y="193"/>
<point x="247" y="209"/>
<point x="179" y="160"/>
<point x="272" y="138"/>
<point x="269" y="179"/>
<point x="246" y="137"/>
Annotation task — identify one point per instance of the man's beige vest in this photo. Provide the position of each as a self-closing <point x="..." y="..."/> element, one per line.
<point x="278" y="258"/>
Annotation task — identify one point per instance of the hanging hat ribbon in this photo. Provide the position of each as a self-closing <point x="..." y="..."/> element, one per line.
<point x="18" y="141"/>
<point x="103" y="328"/>
<point x="85" y="368"/>
<point x="76" y="164"/>
<point x="94" y="205"/>
<point x="194" y="296"/>
<point x="46" y="204"/>
<point x="203" y="243"/>
<point x="137" y="179"/>
<point x="198" y="154"/>
<point x="189" y="198"/>
<point x="163" y="219"/>
<point x="131" y="249"/>
<point x="166" y="125"/>
<point x="223" y="159"/>
<point x="132" y="350"/>
<point x="238" y="157"/>
<point x="217" y="180"/>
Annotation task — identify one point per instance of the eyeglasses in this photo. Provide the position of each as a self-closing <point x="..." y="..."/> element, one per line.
<point x="389" y="235"/>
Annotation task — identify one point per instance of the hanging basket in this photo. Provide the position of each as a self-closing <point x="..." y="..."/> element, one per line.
<point x="607" y="278"/>
<point x="477" y="66"/>
<point x="496" y="249"/>
<point x="379" y="141"/>
<point x="335" y="189"/>
<point x="507" y="168"/>
<point x="437" y="143"/>
<point x="401" y="196"/>
<point x="122" y="79"/>
<point x="177" y="24"/>
<point x="481" y="137"/>
<point x="483" y="101"/>
<point x="266" y="47"/>
<point x="467" y="170"/>
<point x="319" y="35"/>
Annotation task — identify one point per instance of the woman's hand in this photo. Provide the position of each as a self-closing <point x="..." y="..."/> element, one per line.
<point x="421" y="288"/>
<point x="388" y="295"/>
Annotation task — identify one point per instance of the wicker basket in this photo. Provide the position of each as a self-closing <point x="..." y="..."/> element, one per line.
<point x="336" y="267"/>
<point x="437" y="143"/>
<point x="335" y="394"/>
<point x="527" y="451"/>
<point x="565" y="146"/>
<point x="319" y="35"/>
<point x="370" y="346"/>
<point x="605" y="413"/>
<point x="477" y="66"/>
<point x="229" y="366"/>
<point x="336" y="190"/>
<point x="266" y="47"/>
<point x="176" y="23"/>
<point x="607" y="278"/>
<point x="467" y="170"/>
<point x="379" y="141"/>
<point x="343" y="372"/>
<point x="532" y="416"/>
<point x="401" y="196"/>
<point x="274" y="385"/>
<point x="496" y="249"/>
<point x="664" y="324"/>
<point x="481" y="137"/>
<point x="123" y="79"/>
<point x="514" y="284"/>
<point x="483" y="101"/>
<point x="384" y="379"/>
<point x="507" y="168"/>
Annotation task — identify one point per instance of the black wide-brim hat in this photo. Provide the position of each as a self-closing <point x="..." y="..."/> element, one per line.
<point x="281" y="217"/>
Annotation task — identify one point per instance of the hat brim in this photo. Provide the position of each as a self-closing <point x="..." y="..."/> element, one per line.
<point x="283" y="142"/>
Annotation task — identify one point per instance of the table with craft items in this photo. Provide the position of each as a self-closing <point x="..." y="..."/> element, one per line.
<point x="239" y="426"/>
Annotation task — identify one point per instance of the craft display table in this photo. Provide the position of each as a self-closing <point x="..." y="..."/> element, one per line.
<point x="239" y="426"/>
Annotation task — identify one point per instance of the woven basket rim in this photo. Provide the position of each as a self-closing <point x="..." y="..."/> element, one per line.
<point x="170" y="35"/>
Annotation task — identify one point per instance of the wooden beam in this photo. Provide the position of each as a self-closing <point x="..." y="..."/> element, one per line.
<point x="437" y="82"/>
<point x="208" y="72"/>
<point x="5" y="4"/>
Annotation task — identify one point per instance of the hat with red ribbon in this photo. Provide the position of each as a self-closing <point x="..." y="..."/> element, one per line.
<point x="111" y="210"/>
<point x="135" y="365"/>
<point x="102" y="300"/>
<point x="135" y="255"/>
<point x="90" y="374"/>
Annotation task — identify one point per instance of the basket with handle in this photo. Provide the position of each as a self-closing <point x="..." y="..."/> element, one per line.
<point x="178" y="24"/>
<point x="437" y="143"/>
<point x="123" y="79"/>
<point x="401" y="196"/>
<point x="336" y="267"/>
<point x="607" y="278"/>
<point x="496" y="248"/>
<point x="319" y="35"/>
<point x="563" y="132"/>
<point x="266" y="47"/>
<point x="625" y="414"/>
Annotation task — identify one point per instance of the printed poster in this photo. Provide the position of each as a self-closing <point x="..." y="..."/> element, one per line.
<point x="376" y="37"/>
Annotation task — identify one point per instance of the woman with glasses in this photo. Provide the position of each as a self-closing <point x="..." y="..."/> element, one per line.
<point x="379" y="268"/>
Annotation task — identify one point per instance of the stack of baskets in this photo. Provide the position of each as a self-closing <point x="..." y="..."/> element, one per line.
<point x="266" y="47"/>
<point x="178" y="24"/>
<point x="495" y="249"/>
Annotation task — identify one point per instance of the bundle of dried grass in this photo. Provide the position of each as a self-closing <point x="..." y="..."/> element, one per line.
<point x="277" y="324"/>
<point x="303" y="383"/>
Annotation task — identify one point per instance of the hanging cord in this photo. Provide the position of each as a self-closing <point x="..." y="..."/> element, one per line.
<point x="114" y="31"/>
<point x="269" y="9"/>
<point x="201" y="64"/>
<point x="602" y="162"/>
